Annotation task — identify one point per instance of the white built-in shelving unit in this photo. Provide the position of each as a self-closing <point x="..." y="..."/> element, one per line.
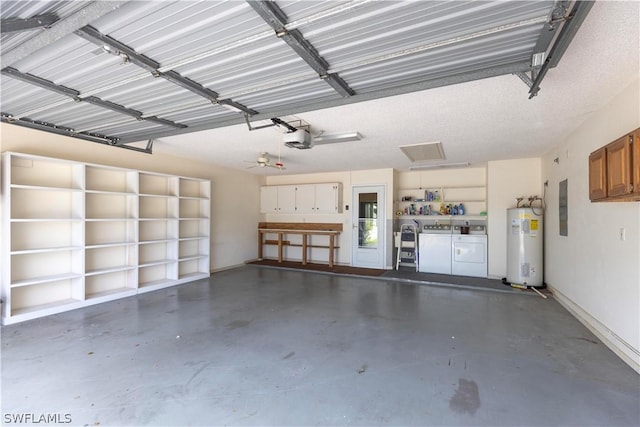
<point x="76" y="234"/>
<point x="463" y="186"/>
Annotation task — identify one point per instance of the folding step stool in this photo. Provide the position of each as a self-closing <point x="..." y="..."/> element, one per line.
<point x="407" y="247"/>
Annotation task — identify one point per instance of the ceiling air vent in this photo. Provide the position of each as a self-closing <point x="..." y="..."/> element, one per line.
<point x="423" y="152"/>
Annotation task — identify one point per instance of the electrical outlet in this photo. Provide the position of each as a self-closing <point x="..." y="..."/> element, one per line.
<point x="623" y="234"/>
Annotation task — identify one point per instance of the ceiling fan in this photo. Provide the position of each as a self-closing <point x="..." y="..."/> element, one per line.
<point x="264" y="161"/>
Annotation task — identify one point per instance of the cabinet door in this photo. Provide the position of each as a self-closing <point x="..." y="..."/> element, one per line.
<point x="619" y="167"/>
<point x="598" y="174"/>
<point x="286" y="198"/>
<point x="268" y="199"/>
<point x="306" y="198"/>
<point x="327" y="196"/>
<point x="636" y="161"/>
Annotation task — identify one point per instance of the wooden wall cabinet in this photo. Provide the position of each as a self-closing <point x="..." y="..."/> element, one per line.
<point x="614" y="170"/>
<point x="76" y="234"/>
<point x="598" y="174"/>
<point x="635" y="168"/>
<point x="619" y="167"/>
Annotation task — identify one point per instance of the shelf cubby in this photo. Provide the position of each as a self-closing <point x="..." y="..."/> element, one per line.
<point x="154" y="207"/>
<point x="190" y="248"/>
<point x="104" y="259"/>
<point x="157" y="252"/>
<point x="43" y="235"/>
<point x="45" y="297"/>
<point x="157" y="274"/>
<point x="191" y="267"/>
<point x="157" y="184"/>
<point x="193" y="228"/>
<point x="111" y="205"/>
<point x="110" y="283"/>
<point x="110" y="180"/>
<point x="46" y="203"/>
<point x="158" y="229"/>
<point x="45" y="172"/>
<point x="194" y="208"/>
<point x="194" y="188"/>
<point x="109" y="232"/>
<point x="52" y="265"/>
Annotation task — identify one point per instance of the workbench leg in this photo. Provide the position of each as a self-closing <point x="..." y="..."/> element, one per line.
<point x="260" y="243"/>
<point x="331" y="244"/>
<point x="279" y="247"/>
<point x="304" y="249"/>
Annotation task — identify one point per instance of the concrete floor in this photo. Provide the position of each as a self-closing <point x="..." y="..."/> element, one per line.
<point x="261" y="346"/>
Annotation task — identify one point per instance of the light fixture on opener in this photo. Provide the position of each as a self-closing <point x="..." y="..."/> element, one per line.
<point x="441" y="166"/>
<point x="337" y="137"/>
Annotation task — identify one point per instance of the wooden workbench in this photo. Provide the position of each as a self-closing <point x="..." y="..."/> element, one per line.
<point x="305" y="229"/>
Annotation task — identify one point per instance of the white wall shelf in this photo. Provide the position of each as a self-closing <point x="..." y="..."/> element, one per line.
<point x="77" y="234"/>
<point x="448" y="218"/>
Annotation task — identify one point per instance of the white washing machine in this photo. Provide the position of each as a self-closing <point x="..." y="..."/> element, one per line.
<point x="469" y="255"/>
<point x="434" y="252"/>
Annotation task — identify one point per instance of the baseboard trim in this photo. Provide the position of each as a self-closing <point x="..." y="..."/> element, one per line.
<point x="230" y="267"/>
<point x="620" y="347"/>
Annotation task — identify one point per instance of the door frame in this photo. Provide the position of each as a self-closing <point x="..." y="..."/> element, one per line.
<point x="381" y="191"/>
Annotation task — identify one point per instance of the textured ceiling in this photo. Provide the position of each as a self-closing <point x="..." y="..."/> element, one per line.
<point x="398" y="72"/>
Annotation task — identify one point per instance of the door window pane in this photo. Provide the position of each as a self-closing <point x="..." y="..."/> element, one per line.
<point x="368" y="220"/>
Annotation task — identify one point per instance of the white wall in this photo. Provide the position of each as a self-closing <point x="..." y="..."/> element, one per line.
<point x="594" y="273"/>
<point x="234" y="195"/>
<point x="506" y="181"/>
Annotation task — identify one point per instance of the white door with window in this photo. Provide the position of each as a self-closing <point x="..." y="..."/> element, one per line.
<point x="368" y="247"/>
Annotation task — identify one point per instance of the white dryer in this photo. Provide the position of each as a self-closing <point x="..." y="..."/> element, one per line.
<point x="469" y="255"/>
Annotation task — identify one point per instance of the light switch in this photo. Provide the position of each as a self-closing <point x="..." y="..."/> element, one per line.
<point x="623" y="234"/>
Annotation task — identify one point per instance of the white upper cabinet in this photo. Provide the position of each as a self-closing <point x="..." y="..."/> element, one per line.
<point x="286" y="199"/>
<point x="301" y="199"/>
<point x="327" y="198"/>
<point x="269" y="199"/>
<point x="278" y="199"/>
<point x="306" y="198"/>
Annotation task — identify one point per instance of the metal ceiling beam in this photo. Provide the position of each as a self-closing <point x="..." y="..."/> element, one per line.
<point x="60" y="29"/>
<point x="276" y="18"/>
<point x="39" y="81"/>
<point x="115" y="47"/>
<point x="130" y="112"/>
<point x="59" y="130"/>
<point x="568" y="27"/>
<point x="118" y="48"/>
<point x="12" y="25"/>
<point x="236" y="106"/>
<point x="75" y="95"/>
<point x="360" y="97"/>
